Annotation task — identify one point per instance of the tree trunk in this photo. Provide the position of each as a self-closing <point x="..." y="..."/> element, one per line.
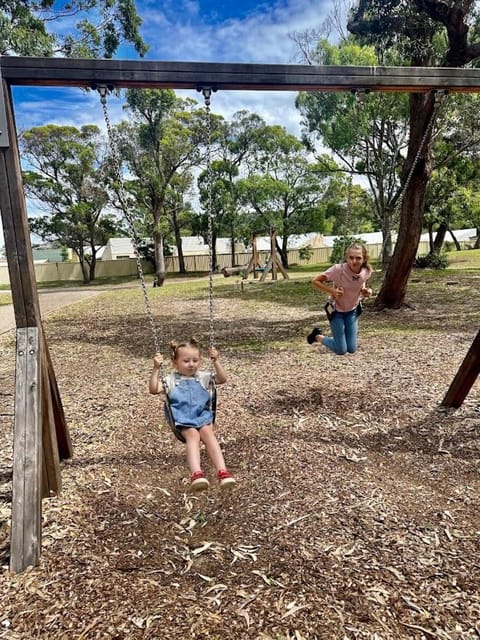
<point x="430" y="237"/>
<point x="159" y="259"/>
<point x="181" y="258"/>
<point x="283" y="251"/>
<point x="393" y="290"/>
<point x="85" y="271"/>
<point x="477" y="241"/>
<point x="439" y="238"/>
<point x="387" y="247"/>
<point x="457" y="244"/>
<point x="232" y="249"/>
<point x="92" y="265"/>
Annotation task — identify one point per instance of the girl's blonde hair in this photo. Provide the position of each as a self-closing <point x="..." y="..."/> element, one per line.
<point x="366" y="257"/>
<point x="176" y="346"/>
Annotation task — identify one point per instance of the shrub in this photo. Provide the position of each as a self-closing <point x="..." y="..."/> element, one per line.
<point x="305" y="253"/>
<point x="432" y="261"/>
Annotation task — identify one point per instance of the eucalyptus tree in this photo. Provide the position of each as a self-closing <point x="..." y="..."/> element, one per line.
<point x="453" y="196"/>
<point x="164" y="141"/>
<point x="237" y="145"/>
<point x="367" y="133"/>
<point x="285" y="188"/>
<point x="69" y="28"/>
<point x="67" y="179"/>
<point x="426" y="33"/>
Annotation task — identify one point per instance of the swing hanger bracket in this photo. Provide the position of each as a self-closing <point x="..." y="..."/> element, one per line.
<point x="207" y="93"/>
<point x="103" y="88"/>
<point x="360" y="93"/>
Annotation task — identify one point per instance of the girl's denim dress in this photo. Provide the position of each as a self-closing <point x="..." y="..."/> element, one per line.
<point x="190" y="402"/>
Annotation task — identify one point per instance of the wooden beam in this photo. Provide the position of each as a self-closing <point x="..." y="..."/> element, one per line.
<point x="465" y="377"/>
<point x="232" y="76"/>
<point x="27" y="448"/>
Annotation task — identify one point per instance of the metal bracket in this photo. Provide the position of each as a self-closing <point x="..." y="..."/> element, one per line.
<point x="4" y="139"/>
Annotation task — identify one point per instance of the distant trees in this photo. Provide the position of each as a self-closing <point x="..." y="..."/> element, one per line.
<point x="67" y="178"/>
<point x="161" y="145"/>
<point x="367" y="134"/>
<point x="424" y="33"/>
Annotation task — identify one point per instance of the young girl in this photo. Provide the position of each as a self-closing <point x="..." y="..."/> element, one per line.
<point x="189" y="401"/>
<point x="349" y="287"/>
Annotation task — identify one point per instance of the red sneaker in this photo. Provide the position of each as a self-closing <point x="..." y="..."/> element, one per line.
<point x="198" y="481"/>
<point x="225" y="478"/>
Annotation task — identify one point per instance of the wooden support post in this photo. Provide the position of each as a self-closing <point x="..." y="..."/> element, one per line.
<point x="273" y="253"/>
<point x="274" y="263"/>
<point x="39" y="419"/>
<point x="465" y="377"/>
<point x="27" y="448"/>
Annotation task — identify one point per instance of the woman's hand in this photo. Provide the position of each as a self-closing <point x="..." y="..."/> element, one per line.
<point x="338" y="292"/>
<point x="366" y="291"/>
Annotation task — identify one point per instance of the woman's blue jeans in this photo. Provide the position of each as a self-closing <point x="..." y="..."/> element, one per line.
<point x="344" y="328"/>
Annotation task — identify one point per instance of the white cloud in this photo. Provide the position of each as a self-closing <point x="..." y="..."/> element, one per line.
<point x="179" y="31"/>
<point x="262" y="36"/>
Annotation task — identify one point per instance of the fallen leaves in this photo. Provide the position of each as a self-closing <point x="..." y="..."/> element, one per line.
<point x="356" y="514"/>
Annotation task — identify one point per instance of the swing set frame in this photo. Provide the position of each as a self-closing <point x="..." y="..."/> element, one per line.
<point x="41" y="438"/>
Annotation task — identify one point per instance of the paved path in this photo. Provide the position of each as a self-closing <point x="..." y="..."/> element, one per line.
<point x="50" y="299"/>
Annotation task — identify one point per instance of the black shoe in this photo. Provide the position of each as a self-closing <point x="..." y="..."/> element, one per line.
<point x="311" y="336"/>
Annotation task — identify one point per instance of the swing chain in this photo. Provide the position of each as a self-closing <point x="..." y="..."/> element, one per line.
<point x="439" y="98"/>
<point x="103" y="91"/>
<point x="207" y="92"/>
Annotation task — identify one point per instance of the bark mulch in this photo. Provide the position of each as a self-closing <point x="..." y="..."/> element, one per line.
<point x="357" y="511"/>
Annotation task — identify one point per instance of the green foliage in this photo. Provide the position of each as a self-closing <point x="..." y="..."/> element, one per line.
<point x="70" y="28"/>
<point x="67" y="176"/>
<point x="305" y="253"/>
<point x="432" y="261"/>
<point x="340" y="245"/>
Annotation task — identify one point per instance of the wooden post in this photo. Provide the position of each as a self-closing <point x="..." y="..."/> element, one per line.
<point x="273" y="252"/>
<point x="465" y="377"/>
<point x="27" y="453"/>
<point x="39" y="419"/>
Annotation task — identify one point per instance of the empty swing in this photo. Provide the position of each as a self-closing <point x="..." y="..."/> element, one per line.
<point x="103" y="91"/>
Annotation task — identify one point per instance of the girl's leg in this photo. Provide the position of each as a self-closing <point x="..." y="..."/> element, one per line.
<point x="351" y="331"/>
<point x="192" y="437"/>
<point x="337" y="343"/>
<point x="207" y="436"/>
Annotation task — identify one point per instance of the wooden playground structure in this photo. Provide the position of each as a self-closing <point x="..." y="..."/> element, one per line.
<point x="41" y="438"/>
<point x="273" y="265"/>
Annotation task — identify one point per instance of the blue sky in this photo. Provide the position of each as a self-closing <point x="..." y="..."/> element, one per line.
<point x="196" y="30"/>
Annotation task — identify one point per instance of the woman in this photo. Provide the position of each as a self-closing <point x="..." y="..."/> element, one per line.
<point x="349" y="287"/>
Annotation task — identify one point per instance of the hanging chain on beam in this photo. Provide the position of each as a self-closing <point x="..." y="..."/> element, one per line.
<point x="207" y="93"/>
<point x="103" y="91"/>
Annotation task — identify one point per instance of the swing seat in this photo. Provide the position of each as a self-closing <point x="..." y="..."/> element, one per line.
<point x="167" y="412"/>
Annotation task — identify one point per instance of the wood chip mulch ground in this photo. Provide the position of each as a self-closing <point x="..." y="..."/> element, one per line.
<point x="357" y="510"/>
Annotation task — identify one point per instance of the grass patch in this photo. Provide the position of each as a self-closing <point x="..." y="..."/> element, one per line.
<point x="464" y="259"/>
<point x="5" y="298"/>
